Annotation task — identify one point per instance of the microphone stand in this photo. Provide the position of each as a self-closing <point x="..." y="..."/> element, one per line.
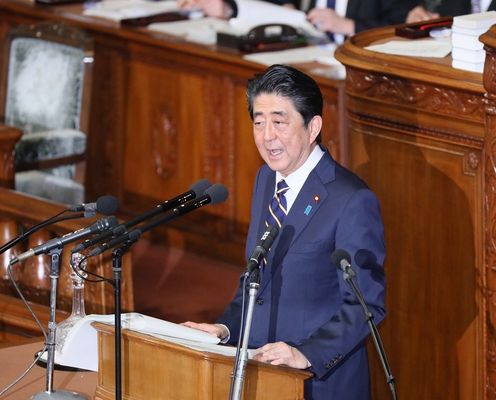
<point x="117" y="254"/>
<point x="240" y="367"/>
<point x="49" y="393"/>
<point x="348" y="275"/>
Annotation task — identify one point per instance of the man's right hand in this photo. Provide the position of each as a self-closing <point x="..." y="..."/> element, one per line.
<point x="214" y="329"/>
<point x="419" y="14"/>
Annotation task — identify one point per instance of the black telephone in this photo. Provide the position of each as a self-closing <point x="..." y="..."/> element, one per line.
<point x="266" y="37"/>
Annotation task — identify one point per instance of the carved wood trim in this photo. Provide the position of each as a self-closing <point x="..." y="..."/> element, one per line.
<point x="471" y="162"/>
<point x="489" y="80"/>
<point x="419" y="130"/>
<point x="420" y="95"/>
<point x="164" y="144"/>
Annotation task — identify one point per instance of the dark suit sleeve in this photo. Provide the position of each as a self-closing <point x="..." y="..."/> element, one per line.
<point x="360" y="231"/>
<point x="369" y="14"/>
<point x="454" y="7"/>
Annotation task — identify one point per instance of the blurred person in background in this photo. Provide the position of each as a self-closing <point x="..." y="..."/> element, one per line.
<point x="431" y="9"/>
<point x="338" y="18"/>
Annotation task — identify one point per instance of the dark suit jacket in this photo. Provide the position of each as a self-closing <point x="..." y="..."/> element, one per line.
<point x="303" y="299"/>
<point x="459" y="7"/>
<point x="366" y="13"/>
<point x="369" y="14"/>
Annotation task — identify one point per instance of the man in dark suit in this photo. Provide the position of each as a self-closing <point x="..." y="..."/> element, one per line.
<point x="305" y="315"/>
<point x="352" y="16"/>
<point x="428" y="9"/>
<point x="331" y="16"/>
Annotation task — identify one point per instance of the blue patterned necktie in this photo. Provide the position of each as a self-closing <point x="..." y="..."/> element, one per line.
<point x="331" y="4"/>
<point x="278" y="208"/>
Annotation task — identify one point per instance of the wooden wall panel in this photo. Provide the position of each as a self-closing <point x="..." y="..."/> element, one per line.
<point x="419" y="144"/>
<point x="434" y="302"/>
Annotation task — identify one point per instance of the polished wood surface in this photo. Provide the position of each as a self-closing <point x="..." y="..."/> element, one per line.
<point x="418" y="137"/>
<point x="8" y="138"/>
<point x="15" y="360"/>
<point x="165" y="113"/>
<point x="157" y="369"/>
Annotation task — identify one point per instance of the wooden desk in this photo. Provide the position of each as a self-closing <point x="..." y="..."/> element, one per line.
<point x="166" y="113"/>
<point x="14" y="361"/>
<point x="153" y="368"/>
<point x="419" y="136"/>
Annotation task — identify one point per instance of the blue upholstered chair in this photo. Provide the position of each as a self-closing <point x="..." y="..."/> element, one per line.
<point x="47" y="98"/>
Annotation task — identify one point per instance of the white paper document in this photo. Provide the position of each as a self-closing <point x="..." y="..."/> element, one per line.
<point x="81" y="350"/>
<point x="203" y="30"/>
<point x="437" y="48"/>
<point x="483" y="20"/>
<point x="252" y="13"/>
<point x="323" y="54"/>
<point x="118" y="10"/>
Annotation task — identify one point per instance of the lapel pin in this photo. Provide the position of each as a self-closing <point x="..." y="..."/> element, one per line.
<point x="316" y="198"/>
<point x="308" y="209"/>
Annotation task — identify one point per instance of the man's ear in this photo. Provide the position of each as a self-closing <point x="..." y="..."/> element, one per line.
<point x="314" y="127"/>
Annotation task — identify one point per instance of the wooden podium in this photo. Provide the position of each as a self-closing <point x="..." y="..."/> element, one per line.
<point x="153" y="368"/>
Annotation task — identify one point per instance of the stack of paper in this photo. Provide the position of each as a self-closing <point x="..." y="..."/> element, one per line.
<point x="118" y="10"/>
<point x="468" y="52"/>
<point x="323" y="54"/>
<point x="80" y="349"/>
<point x="428" y="47"/>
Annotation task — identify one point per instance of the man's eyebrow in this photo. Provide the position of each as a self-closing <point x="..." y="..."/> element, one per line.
<point x="280" y="113"/>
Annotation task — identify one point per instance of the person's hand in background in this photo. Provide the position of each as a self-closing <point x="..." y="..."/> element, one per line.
<point x="326" y="20"/>
<point x="419" y="14"/>
<point x="210" y="8"/>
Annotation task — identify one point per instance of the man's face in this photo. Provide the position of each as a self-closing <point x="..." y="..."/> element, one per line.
<point x="280" y="135"/>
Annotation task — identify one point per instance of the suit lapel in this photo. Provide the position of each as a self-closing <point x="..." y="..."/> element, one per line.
<point x="312" y="195"/>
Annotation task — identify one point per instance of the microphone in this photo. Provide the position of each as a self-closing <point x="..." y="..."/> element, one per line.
<point x="342" y="259"/>
<point x="195" y="190"/>
<point x="216" y="193"/>
<point x="262" y="248"/>
<point x="106" y="205"/>
<point x="99" y="226"/>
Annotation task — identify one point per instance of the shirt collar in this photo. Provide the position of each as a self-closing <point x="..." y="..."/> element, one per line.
<point x="296" y="179"/>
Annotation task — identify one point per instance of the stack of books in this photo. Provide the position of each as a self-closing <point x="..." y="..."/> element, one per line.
<point x="468" y="52"/>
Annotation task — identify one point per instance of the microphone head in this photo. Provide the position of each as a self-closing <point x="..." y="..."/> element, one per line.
<point x="104" y="224"/>
<point x="217" y="193"/>
<point x="199" y="187"/>
<point x="107" y="205"/>
<point x="338" y="255"/>
<point x="268" y="237"/>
